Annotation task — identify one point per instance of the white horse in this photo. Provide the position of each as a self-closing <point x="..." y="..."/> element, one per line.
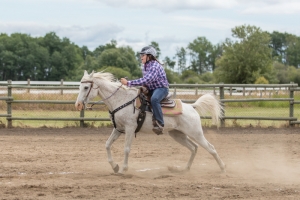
<point x="185" y="128"/>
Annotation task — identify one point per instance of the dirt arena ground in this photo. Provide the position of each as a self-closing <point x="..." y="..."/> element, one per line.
<point x="71" y="163"/>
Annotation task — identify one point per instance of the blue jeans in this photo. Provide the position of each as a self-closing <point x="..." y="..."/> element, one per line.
<point x="157" y="95"/>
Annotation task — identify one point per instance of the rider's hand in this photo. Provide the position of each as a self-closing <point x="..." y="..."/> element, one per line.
<point x="123" y="81"/>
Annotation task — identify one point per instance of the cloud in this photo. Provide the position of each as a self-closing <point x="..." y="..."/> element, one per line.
<point x="273" y="7"/>
<point x="91" y="36"/>
<point x="206" y="22"/>
<point x="244" y="6"/>
<point x="170" y="5"/>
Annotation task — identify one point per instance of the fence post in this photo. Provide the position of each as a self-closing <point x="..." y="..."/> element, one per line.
<point x="61" y="84"/>
<point x="291" y="105"/>
<point x="28" y="84"/>
<point x="82" y="116"/>
<point x="174" y="94"/>
<point x="265" y="90"/>
<point x="222" y="96"/>
<point x="279" y="91"/>
<point x="9" y="94"/>
<point x="196" y="92"/>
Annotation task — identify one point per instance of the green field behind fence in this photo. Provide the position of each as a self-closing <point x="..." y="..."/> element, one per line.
<point x="229" y="111"/>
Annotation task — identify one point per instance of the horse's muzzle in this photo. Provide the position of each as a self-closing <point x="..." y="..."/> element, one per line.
<point x="79" y="106"/>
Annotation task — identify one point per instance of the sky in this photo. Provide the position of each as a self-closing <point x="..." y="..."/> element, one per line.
<point x="136" y="23"/>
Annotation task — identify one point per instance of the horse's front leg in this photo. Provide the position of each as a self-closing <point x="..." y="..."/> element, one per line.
<point x="129" y="133"/>
<point x="113" y="137"/>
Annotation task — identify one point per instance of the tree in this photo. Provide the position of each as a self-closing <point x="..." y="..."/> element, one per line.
<point x="246" y="58"/>
<point x="65" y="58"/>
<point x="281" y="71"/>
<point x="216" y="53"/>
<point x="201" y="51"/>
<point x="278" y="45"/>
<point x="181" y="59"/>
<point x="112" y="45"/>
<point x="168" y="63"/>
<point x="173" y="77"/>
<point x="293" y="74"/>
<point x="22" y="57"/>
<point x="286" y="48"/>
<point x="261" y="80"/>
<point x="122" y="57"/>
<point x="293" y="51"/>
<point x="207" y="77"/>
<point x="138" y="58"/>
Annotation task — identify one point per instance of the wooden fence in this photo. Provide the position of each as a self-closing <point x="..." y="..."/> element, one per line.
<point x="218" y="89"/>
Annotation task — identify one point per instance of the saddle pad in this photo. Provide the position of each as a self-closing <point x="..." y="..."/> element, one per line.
<point x="177" y="110"/>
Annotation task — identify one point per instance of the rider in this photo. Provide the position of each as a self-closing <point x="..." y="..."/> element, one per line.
<point x="155" y="79"/>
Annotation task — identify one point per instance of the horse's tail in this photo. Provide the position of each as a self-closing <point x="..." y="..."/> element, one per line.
<point x="208" y="103"/>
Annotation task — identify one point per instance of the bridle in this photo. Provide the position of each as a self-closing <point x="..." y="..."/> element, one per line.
<point x="112" y="113"/>
<point x="92" y="84"/>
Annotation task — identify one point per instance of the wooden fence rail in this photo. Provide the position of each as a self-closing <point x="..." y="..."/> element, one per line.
<point x="217" y="89"/>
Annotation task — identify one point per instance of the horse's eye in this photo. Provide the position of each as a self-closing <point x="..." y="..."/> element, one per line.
<point x="86" y="87"/>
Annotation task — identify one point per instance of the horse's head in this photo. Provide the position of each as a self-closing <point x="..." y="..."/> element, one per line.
<point x="86" y="91"/>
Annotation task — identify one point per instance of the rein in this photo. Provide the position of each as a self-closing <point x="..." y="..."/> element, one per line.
<point x="112" y="113"/>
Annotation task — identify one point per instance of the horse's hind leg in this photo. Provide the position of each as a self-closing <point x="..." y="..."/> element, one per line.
<point x="201" y="140"/>
<point x="113" y="137"/>
<point x="187" y="142"/>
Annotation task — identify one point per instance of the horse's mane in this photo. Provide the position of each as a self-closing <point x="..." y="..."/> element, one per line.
<point x="105" y="76"/>
<point x="101" y="75"/>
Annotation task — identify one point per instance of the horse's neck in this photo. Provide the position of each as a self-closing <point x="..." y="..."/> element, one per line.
<point x="115" y="96"/>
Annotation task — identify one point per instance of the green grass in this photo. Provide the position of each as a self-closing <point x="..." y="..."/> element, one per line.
<point x="56" y="114"/>
<point x="257" y="112"/>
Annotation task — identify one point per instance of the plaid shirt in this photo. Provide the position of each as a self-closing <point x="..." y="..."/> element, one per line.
<point x="154" y="76"/>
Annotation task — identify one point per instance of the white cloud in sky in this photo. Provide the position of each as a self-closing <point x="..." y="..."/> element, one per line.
<point x="171" y="5"/>
<point x="274" y="8"/>
<point x="245" y="6"/>
<point x="206" y="22"/>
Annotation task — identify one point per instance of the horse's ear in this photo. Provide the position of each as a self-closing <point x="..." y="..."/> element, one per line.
<point x="91" y="75"/>
<point x="85" y="73"/>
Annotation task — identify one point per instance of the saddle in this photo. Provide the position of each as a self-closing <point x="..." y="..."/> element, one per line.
<point x="166" y="102"/>
<point x="145" y="105"/>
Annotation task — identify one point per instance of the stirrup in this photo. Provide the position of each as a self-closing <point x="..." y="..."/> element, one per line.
<point x="158" y="129"/>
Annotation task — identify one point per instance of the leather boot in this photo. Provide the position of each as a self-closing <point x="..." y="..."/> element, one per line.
<point x="157" y="128"/>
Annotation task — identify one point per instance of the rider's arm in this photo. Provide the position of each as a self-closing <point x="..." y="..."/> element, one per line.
<point x="149" y="76"/>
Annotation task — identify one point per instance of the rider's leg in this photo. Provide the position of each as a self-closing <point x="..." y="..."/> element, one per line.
<point x="158" y="95"/>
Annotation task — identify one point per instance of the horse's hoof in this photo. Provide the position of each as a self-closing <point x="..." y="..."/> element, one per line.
<point x="117" y="174"/>
<point x="223" y="169"/>
<point x="175" y="169"/>
<point x="116" y="169"/>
